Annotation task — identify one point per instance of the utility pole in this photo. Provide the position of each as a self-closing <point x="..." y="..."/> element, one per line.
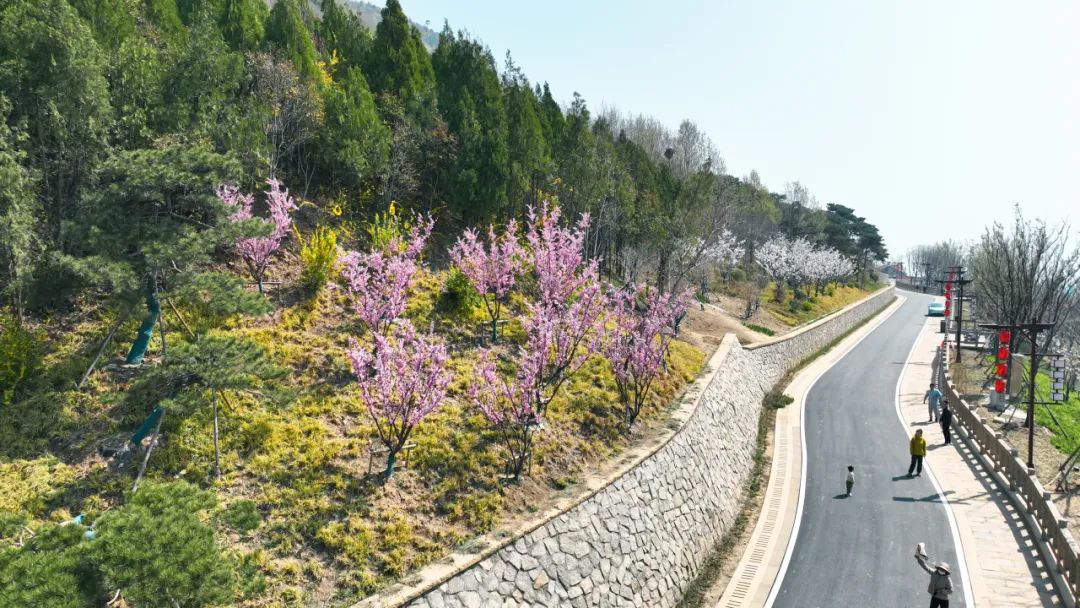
<point x="1033" y="328"/>
<point x="959" y="280"/>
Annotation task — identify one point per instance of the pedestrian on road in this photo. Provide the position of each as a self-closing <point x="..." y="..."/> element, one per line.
<point x="934" y="397"/>
<point x="917" y="447"/>
<point x="946" y="420"/>
<point x="940" y="582"/>
<point x="850" y="479"/>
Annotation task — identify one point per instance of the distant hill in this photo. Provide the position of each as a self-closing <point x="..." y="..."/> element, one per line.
<point x="371" y="14"/>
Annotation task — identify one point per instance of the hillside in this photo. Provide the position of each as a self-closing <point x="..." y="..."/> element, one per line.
<point x="371" y="14"/>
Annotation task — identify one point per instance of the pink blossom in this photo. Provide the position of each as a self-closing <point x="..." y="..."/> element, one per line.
<point x="644" y="324"/>
<point x="256" y="251"/>
<point x="379" y="280"/>
<point x="493" y="270"/>
<point x="563" y="328"/>
<point x="402" y="379"/>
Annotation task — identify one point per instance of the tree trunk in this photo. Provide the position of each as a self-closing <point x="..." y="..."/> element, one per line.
<point x="391" y="460"/>
<point x="146" y="330"/>
<point x="217" y="450"/>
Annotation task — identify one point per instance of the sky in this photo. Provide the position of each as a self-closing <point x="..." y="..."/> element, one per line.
<point x="930" y="119"/>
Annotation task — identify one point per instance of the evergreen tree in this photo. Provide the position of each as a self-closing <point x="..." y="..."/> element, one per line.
<point x="354" y="142"/>
<point x="342" y="31"/>
<point x="552" y="120"/>
<point x="159" y="552"/>
<point x="110" y="20"/>
<point x="290" y="38"/>
<point x="528" y="152"/>
<point x="19" y="243"/>
<point x="153" y="216"/>
<point x="202" y="85"/>
<point x="52" y="72"/>
<point x="165" y="15"/>
<point x="243" y="23"/>
<point x="400" y="65"/>
<point x="470" y="100"/>
<point x="52" y="570"/>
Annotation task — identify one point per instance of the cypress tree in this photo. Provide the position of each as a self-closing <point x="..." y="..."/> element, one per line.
<point x="470" y="99"/>
<point x="400" y="65"/>
<point x="290" y="38"/>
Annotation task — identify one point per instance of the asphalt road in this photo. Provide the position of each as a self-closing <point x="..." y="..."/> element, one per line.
<point x="859" y="551"/>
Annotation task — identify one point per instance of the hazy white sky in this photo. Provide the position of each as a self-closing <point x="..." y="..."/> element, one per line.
<point x="929" y="118"/>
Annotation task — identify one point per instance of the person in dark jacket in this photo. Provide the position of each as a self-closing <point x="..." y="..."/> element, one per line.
<point x="945" y="418"/>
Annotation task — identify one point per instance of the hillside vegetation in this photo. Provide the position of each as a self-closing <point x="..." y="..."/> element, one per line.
<point x="291" y="307"/>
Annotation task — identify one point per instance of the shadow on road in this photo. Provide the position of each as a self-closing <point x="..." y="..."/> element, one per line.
<point x="931" y="498"/>
<point x="841" y="496"/>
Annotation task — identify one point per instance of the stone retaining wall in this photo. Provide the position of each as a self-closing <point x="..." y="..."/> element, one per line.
<point x="643" y="538"/>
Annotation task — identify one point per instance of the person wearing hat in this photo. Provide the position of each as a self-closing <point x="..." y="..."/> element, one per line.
<point x="940" y="582"/>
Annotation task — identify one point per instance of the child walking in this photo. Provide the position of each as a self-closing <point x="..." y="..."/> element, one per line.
<point x="850" y="479"/>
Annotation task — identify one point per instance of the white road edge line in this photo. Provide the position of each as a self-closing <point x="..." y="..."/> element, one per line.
<point x="969" y="596"/>
<point x="895" y="306"/>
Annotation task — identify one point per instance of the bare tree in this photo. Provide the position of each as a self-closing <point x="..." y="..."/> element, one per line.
<point x="293" y="113"/>
<point x="1028" y="274"/>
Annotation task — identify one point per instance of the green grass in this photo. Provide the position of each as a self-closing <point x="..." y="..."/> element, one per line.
<point x="298" y="508"/>
<point x="1067" y="414"/>
<point x="828" y="301"/>
<point x="760" y="329"/>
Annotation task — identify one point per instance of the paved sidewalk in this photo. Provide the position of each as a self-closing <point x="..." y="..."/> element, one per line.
<point x="1004" y="565"/>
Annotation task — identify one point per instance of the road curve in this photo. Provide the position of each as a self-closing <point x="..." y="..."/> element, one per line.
<point x="858" y="551"/>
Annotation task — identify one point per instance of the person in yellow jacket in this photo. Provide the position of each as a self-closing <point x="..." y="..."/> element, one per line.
<point x="918" y="450"/>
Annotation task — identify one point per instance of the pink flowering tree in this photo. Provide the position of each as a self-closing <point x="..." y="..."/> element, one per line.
<point x="643" y="325"/>
<point x="402" y="378"/>
<point x="379" y="280"/>
<point x="563" y="328"/>
<point x="256" y="251"/>
<point x="492" y="270"/>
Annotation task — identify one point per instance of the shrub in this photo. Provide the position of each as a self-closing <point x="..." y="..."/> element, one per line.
<point x="458" y="296"/>
<point x="760" y="329"/>
<point x="19" y="357"/>
<point x="319" y="255"/>
<point x="807" y="305"/>
<point x="775" y="400"/>
<point x="50" y="571"/>
<point x="158" y="550"/>
<point x="737" y="275"/>
<point x="242" y="516"/>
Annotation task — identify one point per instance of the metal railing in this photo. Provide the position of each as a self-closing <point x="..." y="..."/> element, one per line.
<point x="1046" y="525"/>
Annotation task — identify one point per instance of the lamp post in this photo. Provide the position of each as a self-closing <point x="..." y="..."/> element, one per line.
<point x="959" y="280"/>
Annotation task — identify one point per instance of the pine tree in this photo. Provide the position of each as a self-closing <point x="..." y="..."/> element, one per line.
<point x="52" y="570"/>
<point x="154" y="217"/>
<point x="158" y="550"/>
<point x="19" y="241"/>
<point x="470" y="100"/>
<point x="290" y="38"/>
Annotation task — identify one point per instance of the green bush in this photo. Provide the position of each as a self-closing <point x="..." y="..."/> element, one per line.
<point x="776" y="400"/>
<point x="319" y="255"/>
<point x="737" y="275"/>
<point x="20" y="357"/>
<point x="158" y="550"/>
<point x="50" y="571"/>
<point x="458" y="296"/>
<point x="242" y="516"/>
<point x="807" y="305"/>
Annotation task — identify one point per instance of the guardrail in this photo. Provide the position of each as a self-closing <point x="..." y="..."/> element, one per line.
<point x="1047" y="527"/>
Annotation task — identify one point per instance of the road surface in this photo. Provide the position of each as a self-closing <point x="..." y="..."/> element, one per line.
<point x="858" y="551"/>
